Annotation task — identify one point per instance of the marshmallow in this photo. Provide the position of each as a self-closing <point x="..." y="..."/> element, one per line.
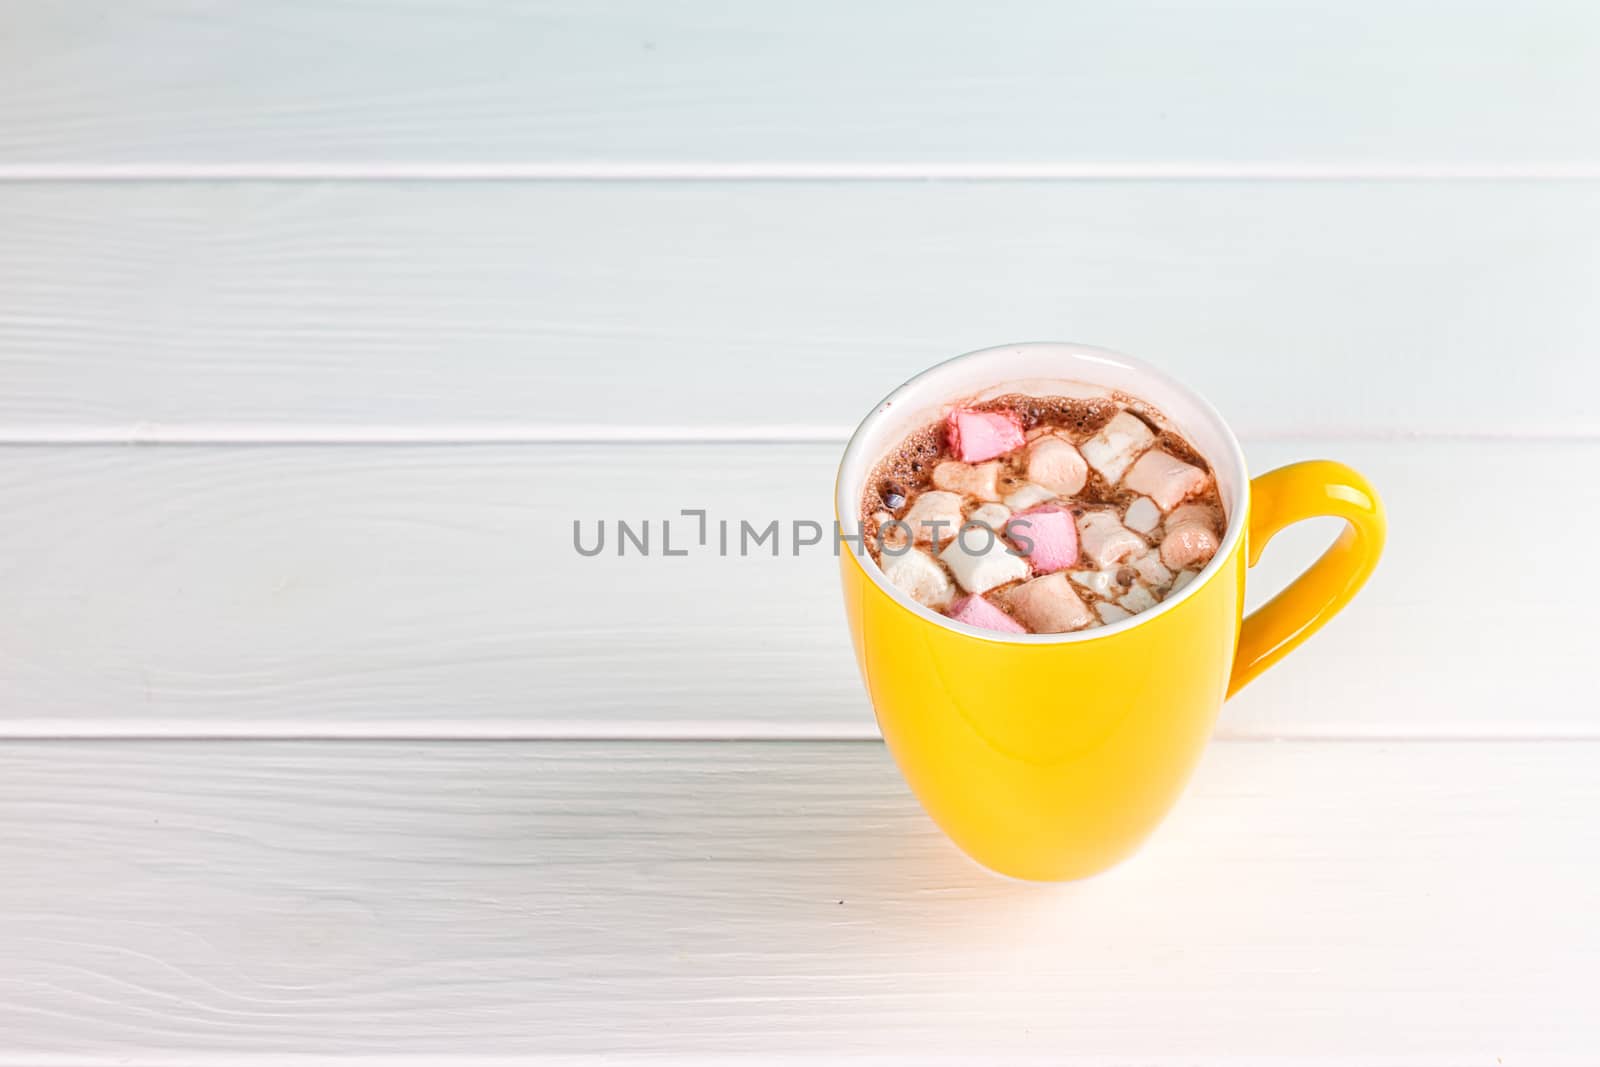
<point x="1104" y="540"/>
<point x="1137" y="599"/>
<point x="916" y="574"/>
<point x="1148" y="567"/>
<point x="986" y="566"/>
<point x="979" y="435"/>
<point x="1201" y="513"/>
<point x="993" y="516"/>
<point x="1181" y="579"/>
<point x="1110" y="613"/>
<point x="1164" y="478"/>
<point x="976" y="611"/>
<point x="1101" y="583"/>
<point x="1028" y="496"/>
<point x="934" y="506"/>
<point x="1057" y="466"/>
<point x="1117" y="445"/>
<point x="1047" y="536"/>
<point x="1188" y="544"/>
<point x="1191" y="538"/>
<point x="964" y="478"/>
<point x="1143" y="515"/>
<point x="889" y="536"/>
<point x="1049" y="606"/>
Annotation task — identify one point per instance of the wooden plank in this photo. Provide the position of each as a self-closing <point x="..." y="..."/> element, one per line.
<point x="1227" y="84"/>
<point x="431" y="312"/>
<point x="1306" y="903"/>
<point x="436" y="591"/>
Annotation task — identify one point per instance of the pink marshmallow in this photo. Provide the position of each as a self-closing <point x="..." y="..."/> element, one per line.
<point x="979" y="435"/>
<point x="1053" y="534"/>
<point x="976" y="611"/>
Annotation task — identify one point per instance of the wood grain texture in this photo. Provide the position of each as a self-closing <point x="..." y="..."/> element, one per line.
<point x="1306" y="903"/>
<point x="462" y="311"/>
<point x="436" y="591"/>
<point x="1229" y="83"/>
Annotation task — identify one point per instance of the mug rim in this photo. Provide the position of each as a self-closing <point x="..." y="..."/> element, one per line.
<point x="847" y="510"/>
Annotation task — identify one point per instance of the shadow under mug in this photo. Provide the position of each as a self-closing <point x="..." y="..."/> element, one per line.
<point x="1052" y="756"/>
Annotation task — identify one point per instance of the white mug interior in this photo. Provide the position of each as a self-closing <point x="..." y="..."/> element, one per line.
<point x="1040" y="368"/>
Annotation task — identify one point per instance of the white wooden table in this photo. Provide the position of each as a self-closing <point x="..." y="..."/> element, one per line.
<point x="321" y="323"/>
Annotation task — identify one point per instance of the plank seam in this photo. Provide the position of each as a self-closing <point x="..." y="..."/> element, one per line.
<point x="780" y="171"/>
<point x="686" y="732"/>
<point x="492" y="434"/>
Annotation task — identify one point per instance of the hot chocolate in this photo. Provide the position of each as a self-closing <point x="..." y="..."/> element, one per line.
<point x="1027" y="514"/>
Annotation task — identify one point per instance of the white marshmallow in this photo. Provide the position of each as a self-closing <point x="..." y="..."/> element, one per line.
<point x="1143" y="515"/>
<point x="1103" y="539"/>
<point x="1049" y="606"/>
<point x="890" y="533"/>
<point x="1101" y="583"/>
<point x="970" y="479"/>
<point x="1201" y="513"/>
<point x="1027" y="496"/>
<point x="993" y="516"/>
<point x="1057" y="466"/>
<point x="934" y="506"/>
<point x="1193" y="535"/>
<point x="1165" y="478"/>
<point x="1137" y="599"/>
<point x="1181" y="579"/>
<point x="980" y="571"/>
<point x="1188" y="544"/>
<point x="1110" y="613"/>
<point x="1149" y="568"/>
<point x="919" y="576"/>
<point x="1113" y="450"/>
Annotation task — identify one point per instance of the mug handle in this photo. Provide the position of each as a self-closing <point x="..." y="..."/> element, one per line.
<point x="1281" y="498"/>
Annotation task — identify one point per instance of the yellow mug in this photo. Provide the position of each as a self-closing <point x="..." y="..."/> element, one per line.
<point x="1052" y="756"/>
